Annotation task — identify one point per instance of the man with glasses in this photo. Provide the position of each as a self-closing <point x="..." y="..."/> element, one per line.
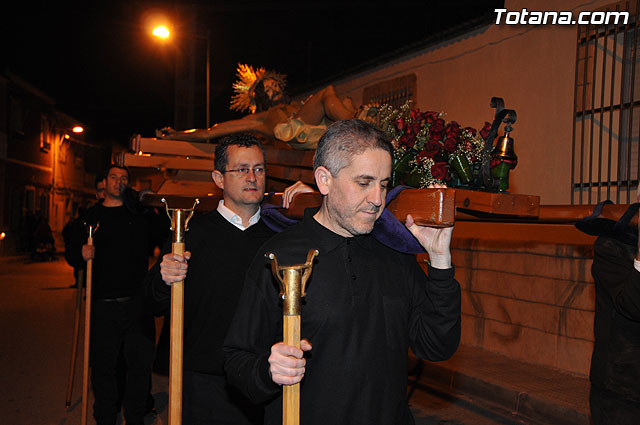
<point x="219" y="247"/>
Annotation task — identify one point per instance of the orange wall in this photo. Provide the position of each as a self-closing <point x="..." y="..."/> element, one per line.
<point x="527" y="291"/>
<point x="531" y="67"/>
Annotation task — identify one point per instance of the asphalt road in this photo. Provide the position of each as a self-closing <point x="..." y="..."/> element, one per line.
<point x="36" y="323"/>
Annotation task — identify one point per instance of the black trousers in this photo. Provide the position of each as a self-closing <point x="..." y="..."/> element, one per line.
<point x="608" y="408"/>
<point x="208" y="399"/>
<point x="120" y="330"/>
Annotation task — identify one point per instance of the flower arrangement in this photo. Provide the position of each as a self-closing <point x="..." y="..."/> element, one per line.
<point x="427" y="149"/>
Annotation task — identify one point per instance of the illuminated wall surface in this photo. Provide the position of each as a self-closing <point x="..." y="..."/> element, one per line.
<point x="533" y="67"/>
<point x="527" y="289"/>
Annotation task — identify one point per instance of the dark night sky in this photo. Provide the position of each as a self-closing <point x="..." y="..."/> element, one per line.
<point x="96" y="61"/>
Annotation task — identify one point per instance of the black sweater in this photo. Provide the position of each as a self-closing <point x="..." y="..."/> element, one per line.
<point x="123" y="242"/>
<point x="365" y="306"/>
<point x="220" y="255"/>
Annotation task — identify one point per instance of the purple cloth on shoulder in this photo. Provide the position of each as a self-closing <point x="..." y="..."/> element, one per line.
<point x="387" y="230"/>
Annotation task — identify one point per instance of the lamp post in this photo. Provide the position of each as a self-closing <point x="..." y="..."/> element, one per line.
<point x="163" y="32"/>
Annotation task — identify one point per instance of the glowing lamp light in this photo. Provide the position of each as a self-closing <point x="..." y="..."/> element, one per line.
<point x="2" y="235"/>
<point x="161" y="31"/>
<point x="66" y="136"/>
<point x="77" y="129"/>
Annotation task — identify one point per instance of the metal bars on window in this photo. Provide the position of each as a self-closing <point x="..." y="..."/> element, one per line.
<point x="605" y="162"/>
<point x="395" y="92"/>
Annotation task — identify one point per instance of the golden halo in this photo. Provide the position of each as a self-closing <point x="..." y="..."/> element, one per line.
<point x="244" y="88"/>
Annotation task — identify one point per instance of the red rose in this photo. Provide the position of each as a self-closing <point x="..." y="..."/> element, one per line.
<point x="450" y="144"/>
<point x="436" y="132"/>
<point x="432" y="148"/>
<point x="399" y="124"/>
<point x="485" y="130"/>
<point x="451" y="133"/>
<point x="471" y="131"/>
<point x="436" y="136"/>
<point x="454" y="128"/>
<point x="430" y="116"/>
<point x="421" y="157"/>
<point x="438" y="171"/>
<point x="406" y="141"/>
<point x="438" y="123"/>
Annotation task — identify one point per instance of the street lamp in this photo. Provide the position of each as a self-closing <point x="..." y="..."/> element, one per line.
<point x="161" y="31"/>
<point x="60" y="135"/>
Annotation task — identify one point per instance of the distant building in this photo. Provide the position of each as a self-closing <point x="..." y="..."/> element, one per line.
<point x="46" y="170"/>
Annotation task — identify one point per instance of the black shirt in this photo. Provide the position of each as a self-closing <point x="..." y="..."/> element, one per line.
<point x="123" y="241"/>
<point x="365" y="305"/>
<point x="220" y="256"/>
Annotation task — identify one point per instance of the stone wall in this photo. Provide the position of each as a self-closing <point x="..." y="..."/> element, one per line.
<point x="527" y="291"/>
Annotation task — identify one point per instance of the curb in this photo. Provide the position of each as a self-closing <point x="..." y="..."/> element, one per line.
<point x="507" y="392"/>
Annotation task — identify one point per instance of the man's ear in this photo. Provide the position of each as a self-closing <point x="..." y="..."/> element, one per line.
<point x="324" y="179"/>
<point x="218" y="179"/>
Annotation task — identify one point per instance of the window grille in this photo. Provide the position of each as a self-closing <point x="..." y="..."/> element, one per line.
<point x="605" y="162"/>
<point x="393" y="92"/>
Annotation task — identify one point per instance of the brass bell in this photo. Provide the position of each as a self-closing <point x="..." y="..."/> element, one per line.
<point x="504" y="149"/>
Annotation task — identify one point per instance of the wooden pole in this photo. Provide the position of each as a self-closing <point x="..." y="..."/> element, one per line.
<point x="87" y="333"/>
<point x="177" y="340"/>
<point x="293" y="280"/>
<point x="291" y="393"/>
<point x="179" y="222"/>
<point x="76" y="336"/>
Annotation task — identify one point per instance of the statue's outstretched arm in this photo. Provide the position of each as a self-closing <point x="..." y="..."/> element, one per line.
<point x="249" y="123"/>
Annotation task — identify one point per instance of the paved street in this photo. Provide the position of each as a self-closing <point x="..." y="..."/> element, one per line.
<point x="36" y="322"/>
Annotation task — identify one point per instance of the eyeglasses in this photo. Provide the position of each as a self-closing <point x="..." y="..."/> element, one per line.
<point x="258" y="171"/>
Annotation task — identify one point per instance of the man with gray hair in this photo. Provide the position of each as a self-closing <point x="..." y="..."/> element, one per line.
<point x="365" y="303"/>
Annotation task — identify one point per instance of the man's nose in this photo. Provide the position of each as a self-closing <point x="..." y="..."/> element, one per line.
<point x="376" y="196"/>
<point x="251" y="175"/>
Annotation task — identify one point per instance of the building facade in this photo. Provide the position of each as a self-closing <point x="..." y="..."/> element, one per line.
<point x="47" y="171"/>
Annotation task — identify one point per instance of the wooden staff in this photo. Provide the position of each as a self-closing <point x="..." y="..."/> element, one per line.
<point x="293" y="281"/>
<point x="76" y="336"/>
<point x="179" y="227"/>
<point x="87" y="329"/>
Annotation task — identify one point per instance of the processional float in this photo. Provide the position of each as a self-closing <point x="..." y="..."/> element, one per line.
<point x="180" y="171"/>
